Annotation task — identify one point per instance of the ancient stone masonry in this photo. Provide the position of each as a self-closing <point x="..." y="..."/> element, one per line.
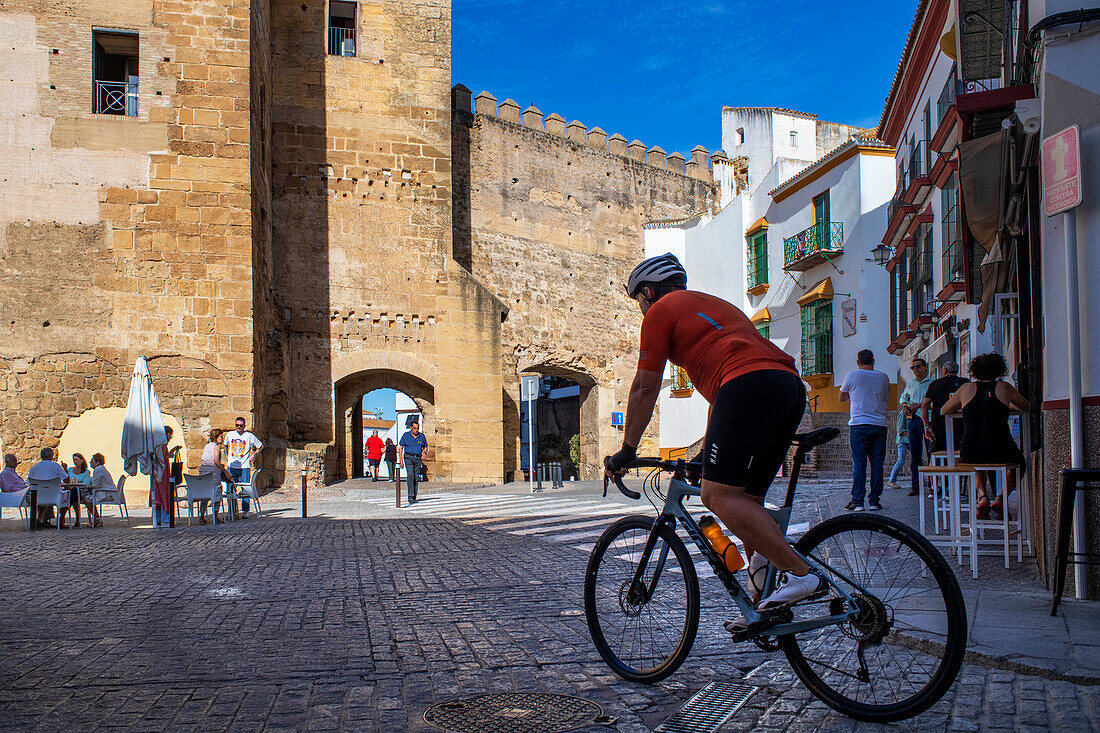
<point x="123" y="235"/>
<point x="278" y="229"/>
<point x="550" y="217"/>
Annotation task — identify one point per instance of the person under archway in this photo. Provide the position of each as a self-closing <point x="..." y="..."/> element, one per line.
<point x="374" y="446"/>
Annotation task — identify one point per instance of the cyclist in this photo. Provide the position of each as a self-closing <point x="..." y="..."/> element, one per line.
<point x="756" y="403"/>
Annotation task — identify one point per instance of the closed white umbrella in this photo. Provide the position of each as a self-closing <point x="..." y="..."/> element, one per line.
<point x="143" y="429"/>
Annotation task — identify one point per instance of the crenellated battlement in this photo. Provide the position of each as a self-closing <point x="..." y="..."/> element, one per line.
<point x="702" y="164"/>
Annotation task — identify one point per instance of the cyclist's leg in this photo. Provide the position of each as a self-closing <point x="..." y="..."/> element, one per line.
<point x="746" y="517"/>
<point x="751" y="424"/>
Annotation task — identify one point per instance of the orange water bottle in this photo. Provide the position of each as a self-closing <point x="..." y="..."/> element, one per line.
<point x="721" y="544"/>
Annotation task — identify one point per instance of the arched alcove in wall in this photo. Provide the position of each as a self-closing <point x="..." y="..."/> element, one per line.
<point x="567" y="406"/>
<point x="349" y="431"/>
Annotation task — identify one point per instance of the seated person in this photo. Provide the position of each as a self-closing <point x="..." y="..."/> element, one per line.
<point x="45" y="470"/>
<point x="101" y="481"/>
<point x="80" y="474"/>
<point x="985" y="404"/>
<point x="10" y="481"/>
<point x="212" y="463"/>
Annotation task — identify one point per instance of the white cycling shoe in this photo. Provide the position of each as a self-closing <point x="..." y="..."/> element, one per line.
<point x="794" y="589"/>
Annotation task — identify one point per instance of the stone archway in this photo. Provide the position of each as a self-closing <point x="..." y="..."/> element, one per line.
<point x="349" y="392"/>
<point x="590" y="461"/>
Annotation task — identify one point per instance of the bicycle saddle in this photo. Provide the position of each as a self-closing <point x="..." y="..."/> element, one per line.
<point x="815" y="437"/>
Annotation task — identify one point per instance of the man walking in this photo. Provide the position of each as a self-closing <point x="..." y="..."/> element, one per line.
<point x="411" y="447"/>
<point x="374" y="453"/>
<point x="913" y="395"/>
<point x="868" y="389"/>
<point x="939" y="392"/>
<point x="242" y="447"/>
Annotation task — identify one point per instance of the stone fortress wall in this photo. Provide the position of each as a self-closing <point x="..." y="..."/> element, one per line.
<point x="122" y="236"/>
<point x="550" y="217"/>
<point x="278" y="232"/>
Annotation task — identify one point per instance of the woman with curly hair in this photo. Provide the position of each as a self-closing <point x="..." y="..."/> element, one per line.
<point x="985" y="404"/>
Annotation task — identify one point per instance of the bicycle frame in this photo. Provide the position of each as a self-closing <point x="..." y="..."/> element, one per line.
<point x="673" y="511"/>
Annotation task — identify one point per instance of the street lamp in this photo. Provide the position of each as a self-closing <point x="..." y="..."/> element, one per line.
<point x="882" y="254"/>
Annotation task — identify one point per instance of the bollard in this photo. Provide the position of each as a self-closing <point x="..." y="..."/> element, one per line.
<point x="541" y="473"/>
<point x="557" y="476"/>
<point x="397" y="484"/>
<point x="304" y="513"/>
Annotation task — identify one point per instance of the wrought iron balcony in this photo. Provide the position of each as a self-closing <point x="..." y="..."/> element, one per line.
<point x="953" y="261"/>
<point x="920" y="161"/>
<point x="116" y="98"/>
<point x="341" y="41"/>
<point x="947" y="96"/>
<point x="812" y="246"/>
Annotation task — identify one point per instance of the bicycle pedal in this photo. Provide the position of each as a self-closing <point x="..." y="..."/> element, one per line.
<point x="773" y="618"/>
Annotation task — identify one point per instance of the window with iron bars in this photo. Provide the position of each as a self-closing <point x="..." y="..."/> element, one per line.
<point x="950" y="234"/>
<point x="817" y="337"/>
<point x="681" y="385"/>
<point x="758" y="259"/>
<point x="764" y="329"/>
<point x="114" y="73"/>
<point x="920" y="270"/>
<point x="901" y="296"/>
<point x="341" y="28"/>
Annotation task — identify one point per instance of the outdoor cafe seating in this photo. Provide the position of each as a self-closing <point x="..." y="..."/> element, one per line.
<point x="955" y="524"/>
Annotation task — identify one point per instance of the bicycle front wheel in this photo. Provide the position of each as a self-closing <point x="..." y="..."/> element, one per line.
<point x="903" y="649"/>
<point x="644" y="634"/>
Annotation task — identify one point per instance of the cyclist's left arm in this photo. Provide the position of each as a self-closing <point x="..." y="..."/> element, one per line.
<point x="639" y="407"/>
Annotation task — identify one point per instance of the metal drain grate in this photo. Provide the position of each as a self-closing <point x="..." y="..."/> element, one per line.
<point x="514" y="712"/>
<point x="709" y="708"/>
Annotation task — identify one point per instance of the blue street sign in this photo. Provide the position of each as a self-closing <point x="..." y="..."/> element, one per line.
<point x="616" y="418"/>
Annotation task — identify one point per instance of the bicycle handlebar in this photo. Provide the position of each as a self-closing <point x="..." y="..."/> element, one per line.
<point x="678" y="468"/>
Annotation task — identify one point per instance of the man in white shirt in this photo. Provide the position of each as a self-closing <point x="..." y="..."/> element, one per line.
<point x="869" y="390"/>
<point x="242" y="446"/>
<point x="45" y="470"/>
<point x="913" y="395"/>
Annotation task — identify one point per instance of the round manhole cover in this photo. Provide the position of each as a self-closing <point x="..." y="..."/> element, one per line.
<point x="514" y="712"/>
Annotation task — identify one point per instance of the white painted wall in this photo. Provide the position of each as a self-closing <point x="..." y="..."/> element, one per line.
<point x="1070" y="91"/>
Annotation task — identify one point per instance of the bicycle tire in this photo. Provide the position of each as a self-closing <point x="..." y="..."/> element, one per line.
<point x="852" y="544"/>
<point x="605" y="602"/>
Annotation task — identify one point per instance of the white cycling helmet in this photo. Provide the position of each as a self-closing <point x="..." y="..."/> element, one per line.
<point x="655" y="270"/>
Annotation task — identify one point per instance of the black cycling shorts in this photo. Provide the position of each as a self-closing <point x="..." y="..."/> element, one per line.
<point x="752" y="421"/>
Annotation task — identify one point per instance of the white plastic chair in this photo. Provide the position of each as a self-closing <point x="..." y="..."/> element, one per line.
<point x="14" y="499"/>
<point x="248" y="490"/>
<point x="202" y="487"/>
<point x="50" y="493"/>
<point x="116" y="497"/>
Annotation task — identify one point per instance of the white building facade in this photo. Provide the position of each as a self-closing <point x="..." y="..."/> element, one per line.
<point x="801" y="227"/>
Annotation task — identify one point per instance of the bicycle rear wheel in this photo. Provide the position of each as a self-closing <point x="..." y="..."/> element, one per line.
<point x="903" y="650"/>
<point x="641" y="639"/>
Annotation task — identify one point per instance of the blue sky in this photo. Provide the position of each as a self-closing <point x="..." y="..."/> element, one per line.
<point x="381" y="399"/>
<point x="661" y="72"/>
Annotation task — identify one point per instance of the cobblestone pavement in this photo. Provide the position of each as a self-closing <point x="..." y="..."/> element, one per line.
<point x="288" y="624"/>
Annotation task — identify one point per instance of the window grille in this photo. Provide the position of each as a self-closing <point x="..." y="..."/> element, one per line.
<point x="950" y="235"/>
<point x="341" y="28"/>
<point x="758" y="259"/>
<point x="817" y="337"/>
<point x="681" y="385"/>
<point x="114" y="73"/>
<point x="764" y="329"/>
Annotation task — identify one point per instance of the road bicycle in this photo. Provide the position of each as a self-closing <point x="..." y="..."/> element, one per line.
<point x="883" y="643"/>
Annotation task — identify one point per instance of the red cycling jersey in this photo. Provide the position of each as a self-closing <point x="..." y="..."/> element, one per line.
<point x="712" y="340"/>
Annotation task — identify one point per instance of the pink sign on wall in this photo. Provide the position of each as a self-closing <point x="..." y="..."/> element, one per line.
<point x="1062" y="171"/>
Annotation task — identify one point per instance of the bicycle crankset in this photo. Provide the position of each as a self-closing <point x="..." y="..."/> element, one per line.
<point x="754" y="632"/>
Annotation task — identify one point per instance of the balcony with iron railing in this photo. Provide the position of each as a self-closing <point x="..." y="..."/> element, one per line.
<point x="947" y="97"/>
<point x="813" y="246"/>
<point x="115" y="98"/>
<point x="341" y="41"/>
<point x="919" y="171"/>
<point x="954" y="285"/>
